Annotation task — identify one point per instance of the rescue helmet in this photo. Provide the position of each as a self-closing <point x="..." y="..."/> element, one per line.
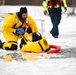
<point x="36" y="36"/>
<point x="23" y="10"/>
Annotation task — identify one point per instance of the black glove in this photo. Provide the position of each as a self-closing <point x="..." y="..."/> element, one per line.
<point x="45" y="12"/>
<point x="65" y="9"/>
<point x="29" y="30"/>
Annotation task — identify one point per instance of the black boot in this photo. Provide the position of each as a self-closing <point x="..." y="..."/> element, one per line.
<point x="1" y="44"/>
<point x="53" y="35"/>
<point x="0" y="41"/>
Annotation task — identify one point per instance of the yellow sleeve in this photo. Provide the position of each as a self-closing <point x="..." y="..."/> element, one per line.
<point x="44" y="4"/>
<point x="32" y="24"/>
<point x="64" y="3"/>
<point x="9" y="22"/>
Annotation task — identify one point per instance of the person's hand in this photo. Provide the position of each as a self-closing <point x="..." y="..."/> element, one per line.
<point x="20" y="31"/>
<point x="45" y="12"/>
<point x="29" y="30"/>
<point x="65" y="9"/>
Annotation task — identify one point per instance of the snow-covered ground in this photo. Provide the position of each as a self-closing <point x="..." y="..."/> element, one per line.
<point x="52" y="66"/>
<point x="39" y="67"/>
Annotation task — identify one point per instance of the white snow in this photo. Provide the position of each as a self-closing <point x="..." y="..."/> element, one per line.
<point x="58" y="66"/>
<point x="39" y="67"/>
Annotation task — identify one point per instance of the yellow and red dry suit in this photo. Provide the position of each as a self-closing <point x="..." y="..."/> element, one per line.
<point x="37" y="46"/>
<point x="11" y="22"/>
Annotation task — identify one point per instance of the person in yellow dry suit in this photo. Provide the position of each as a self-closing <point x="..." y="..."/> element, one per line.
<point x="38" y="44"/>
<point x="17" y="25"/>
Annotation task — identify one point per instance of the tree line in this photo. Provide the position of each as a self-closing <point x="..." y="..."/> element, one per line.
<point x="31" y="2"/>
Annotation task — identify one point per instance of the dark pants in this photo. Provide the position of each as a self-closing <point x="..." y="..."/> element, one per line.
<point x="55" y="15"/>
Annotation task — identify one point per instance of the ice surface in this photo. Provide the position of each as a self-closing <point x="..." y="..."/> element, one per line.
<point x="55" y="65"/>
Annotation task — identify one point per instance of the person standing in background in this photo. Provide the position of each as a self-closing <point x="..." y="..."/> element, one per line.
<point x="54" y="10"/>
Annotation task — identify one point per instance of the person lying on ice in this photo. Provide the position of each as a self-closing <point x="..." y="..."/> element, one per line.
<point x="15" y="26"/>
<point x="38" y="44"/>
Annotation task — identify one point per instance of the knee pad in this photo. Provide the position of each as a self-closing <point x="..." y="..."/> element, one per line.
<point x="10" y="46"/>
<point x="13" y="47"/>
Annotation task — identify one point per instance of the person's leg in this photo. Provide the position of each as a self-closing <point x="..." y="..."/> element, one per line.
<point x="52" y="17"/>
<point x="57" y="22"/>
<point x="11" y="41"/>
<point x="55" y="31"/>
<point x="11" y="45"/>
<point x="55" y="16"/>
